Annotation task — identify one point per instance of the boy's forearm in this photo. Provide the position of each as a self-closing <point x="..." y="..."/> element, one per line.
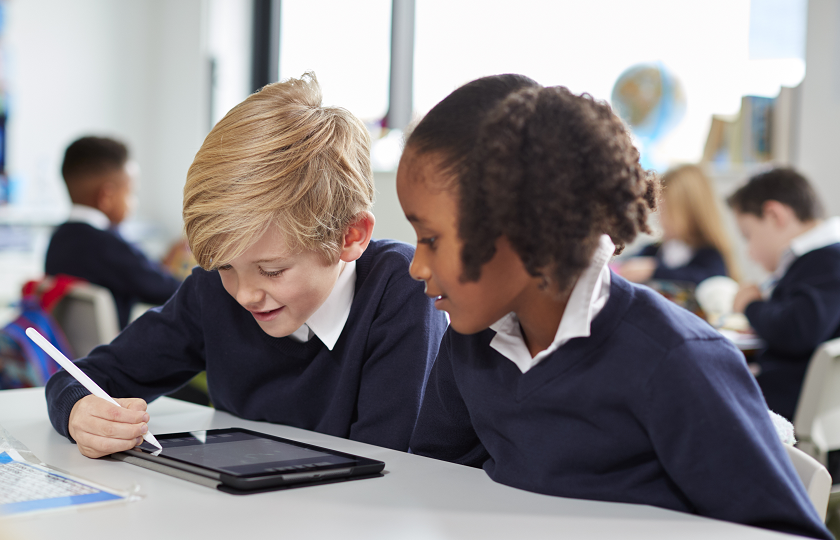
<point x="62" y="392"/>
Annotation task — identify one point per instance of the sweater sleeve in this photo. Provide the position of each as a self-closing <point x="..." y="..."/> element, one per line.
<point x="705" y="264"/>
<point x="153" y="356"/>
<point x="807" y="315"/>
<point x="712" y="433"/>
<point x="403" y="339"/>
<point x="125" y="269"/>
<point x="444" y="429"/>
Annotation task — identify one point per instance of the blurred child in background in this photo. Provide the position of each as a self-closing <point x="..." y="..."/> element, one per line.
<point x="780" y="217"/>
<point x="89" y="245"/>
<point x="694" y="244"/>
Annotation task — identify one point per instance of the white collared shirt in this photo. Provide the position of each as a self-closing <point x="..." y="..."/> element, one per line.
<point x="588" y="298"/>
<point x="824" y="234"/>
<point x="80" y="213"/>
<point x="328" y="320"/>
<point x="676" y="253"/>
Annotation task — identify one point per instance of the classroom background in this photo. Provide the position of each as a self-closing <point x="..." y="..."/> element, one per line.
<point x="733" y="84"/>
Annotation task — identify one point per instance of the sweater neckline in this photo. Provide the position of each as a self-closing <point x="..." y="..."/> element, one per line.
<point x="579" y="349"/>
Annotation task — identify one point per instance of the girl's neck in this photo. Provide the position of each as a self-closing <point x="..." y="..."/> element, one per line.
<point x="540" y="314"/>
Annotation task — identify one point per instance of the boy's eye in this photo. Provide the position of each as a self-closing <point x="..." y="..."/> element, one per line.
<point x="225" y="267"/>
<point x="272" y="273"/>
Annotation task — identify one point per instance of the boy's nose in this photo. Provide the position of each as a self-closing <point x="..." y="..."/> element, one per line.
<point x="249" y="296"/>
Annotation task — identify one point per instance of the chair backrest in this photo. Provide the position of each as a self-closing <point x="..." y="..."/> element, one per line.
<point x="817" y="418"/>
<point x="814" y="477"/>
<point x="88" y="316"/>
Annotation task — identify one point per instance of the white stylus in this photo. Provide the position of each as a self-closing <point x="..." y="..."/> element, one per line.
<point x="78" y="374"/>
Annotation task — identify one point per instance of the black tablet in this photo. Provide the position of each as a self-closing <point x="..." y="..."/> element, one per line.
<point x="243" y="461"/>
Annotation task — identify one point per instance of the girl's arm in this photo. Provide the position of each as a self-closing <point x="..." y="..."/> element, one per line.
<point x="704" y="264"/>
<point x="403" y="339"/>
<point x="444" y="430"/>
<point x="712" y="433"/>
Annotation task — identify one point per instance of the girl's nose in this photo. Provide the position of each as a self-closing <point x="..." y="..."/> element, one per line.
<point x="419" y="270"/>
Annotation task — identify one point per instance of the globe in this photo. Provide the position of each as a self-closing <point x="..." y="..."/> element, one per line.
<point x="650" y="99"/>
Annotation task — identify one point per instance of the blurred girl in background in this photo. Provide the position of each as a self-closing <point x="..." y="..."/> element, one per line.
<point x="694" y="243"/>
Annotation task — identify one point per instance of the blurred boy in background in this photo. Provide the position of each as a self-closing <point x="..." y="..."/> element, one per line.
<point x="798" y="308"/>
<point x="88" y="245"/>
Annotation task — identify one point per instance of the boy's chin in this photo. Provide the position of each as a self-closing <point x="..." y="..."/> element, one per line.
<point x="276" y="330"/>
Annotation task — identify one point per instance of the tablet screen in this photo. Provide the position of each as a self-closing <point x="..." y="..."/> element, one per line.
<point x="241" y="453"/>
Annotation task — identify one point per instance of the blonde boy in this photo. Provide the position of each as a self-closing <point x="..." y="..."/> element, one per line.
<point x="296" y="314"/>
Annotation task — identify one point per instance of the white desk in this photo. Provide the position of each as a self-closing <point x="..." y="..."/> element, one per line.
<point x="418" y="498"/>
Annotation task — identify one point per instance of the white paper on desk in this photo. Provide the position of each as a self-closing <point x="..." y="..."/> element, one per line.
<point x="28" y="486"/>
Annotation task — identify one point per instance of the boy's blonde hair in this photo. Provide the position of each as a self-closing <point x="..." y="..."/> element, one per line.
<point x="279" y="158"/>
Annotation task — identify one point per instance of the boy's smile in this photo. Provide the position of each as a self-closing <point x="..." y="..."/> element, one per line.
<point x="281" y="290"/>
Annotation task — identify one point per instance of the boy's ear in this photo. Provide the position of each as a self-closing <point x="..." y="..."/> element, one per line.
<point x="780" y="214"/>
<point x="105" y="196"/>
<point x="357" y="237"/>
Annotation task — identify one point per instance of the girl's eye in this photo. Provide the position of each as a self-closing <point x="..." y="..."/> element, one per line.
<point x="273" y="273"/>
<point x="429" y="241"/>
<point x="225" y="267"/>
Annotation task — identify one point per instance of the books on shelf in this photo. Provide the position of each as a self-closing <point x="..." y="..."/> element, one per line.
<point x="763" y="131"/>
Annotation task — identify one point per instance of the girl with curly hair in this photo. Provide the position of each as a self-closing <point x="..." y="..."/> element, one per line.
<point x="557" y="376"/>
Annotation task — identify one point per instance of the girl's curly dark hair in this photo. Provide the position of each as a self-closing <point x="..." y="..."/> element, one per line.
<point x="549" y="170"/>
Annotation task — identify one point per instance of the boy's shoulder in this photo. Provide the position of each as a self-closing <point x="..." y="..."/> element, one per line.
<point x="73" y="235"/>
<point x="822" y="261"/>
<point x="384" y="257"/>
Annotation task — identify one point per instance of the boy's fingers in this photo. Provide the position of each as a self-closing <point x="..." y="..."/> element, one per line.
<point x="135" y="404"/>
<point x="94" y="446"/>
<point x="109" y="411"/>
<point x="113" y="430"/>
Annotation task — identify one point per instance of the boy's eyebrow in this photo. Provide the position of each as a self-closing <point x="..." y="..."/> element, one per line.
<point x="413" y="218"/>
<point x="269" y="259"/>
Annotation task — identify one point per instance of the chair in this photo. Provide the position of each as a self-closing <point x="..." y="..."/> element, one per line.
<point x="817" y="419"/>
<point x="88" y="316"/>
<point x="814" y="477"/>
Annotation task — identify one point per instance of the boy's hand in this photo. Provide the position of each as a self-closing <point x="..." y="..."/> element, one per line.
<point x="638" y="269"/>
<point x="746" y="295"/>
<point x="101" y="428"/>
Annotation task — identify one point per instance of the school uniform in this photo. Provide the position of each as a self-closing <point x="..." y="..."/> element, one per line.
<point x="800" y="311"/>
<point x="677" y="261"/>
<point x="636" y="401"/>
<point x="87" y="247"/>
<point x="356" y="369"/>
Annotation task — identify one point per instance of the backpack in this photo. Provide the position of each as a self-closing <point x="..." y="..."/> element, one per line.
<point x="22" y="363"/>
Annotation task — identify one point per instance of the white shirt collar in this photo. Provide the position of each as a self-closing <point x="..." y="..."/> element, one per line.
<point x="823" y="235"/>
<point x="328" y="320"/>
<point x="87" y="214"/>
<point x="588" y="298"/>
<point x="676" y="253"/>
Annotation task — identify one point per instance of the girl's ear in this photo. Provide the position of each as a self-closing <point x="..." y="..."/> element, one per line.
<point x="357" y="237"/>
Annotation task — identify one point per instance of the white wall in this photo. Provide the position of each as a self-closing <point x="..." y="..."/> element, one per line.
<point x="129" y="69"/>
<point x="819" y="141"/>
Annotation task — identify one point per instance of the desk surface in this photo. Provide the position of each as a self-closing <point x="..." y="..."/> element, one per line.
<point x="418" y="498"/>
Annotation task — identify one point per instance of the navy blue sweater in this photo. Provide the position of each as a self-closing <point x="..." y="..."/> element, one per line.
<point x="802" y="312"/>
<point x="104" y="258"/>
<point x="654" y="407"/>
<point x="368" y="388"/>
<point x="705" y="263"/>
